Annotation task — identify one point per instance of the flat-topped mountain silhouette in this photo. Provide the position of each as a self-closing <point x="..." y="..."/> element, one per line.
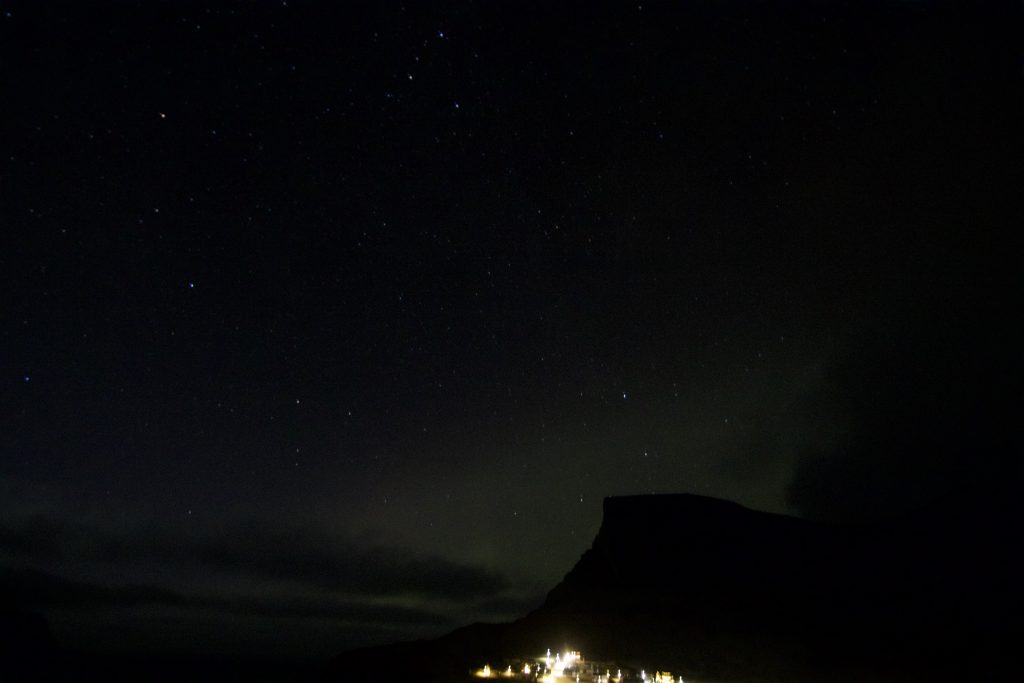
<point x="719" y="592"/>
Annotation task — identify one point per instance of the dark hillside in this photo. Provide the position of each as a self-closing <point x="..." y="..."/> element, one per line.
<point x="722" y="592"/>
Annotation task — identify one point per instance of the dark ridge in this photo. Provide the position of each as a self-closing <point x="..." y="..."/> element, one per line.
<point x="28" y="652"/>
<point x="724" y="593"/>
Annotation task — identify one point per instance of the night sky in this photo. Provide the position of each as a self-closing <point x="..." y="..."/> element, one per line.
<point x="326" y="324"/>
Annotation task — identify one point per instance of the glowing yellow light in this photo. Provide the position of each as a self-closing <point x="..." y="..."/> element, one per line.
<point x="526" y="669"/>
<point x="484" y="672"/>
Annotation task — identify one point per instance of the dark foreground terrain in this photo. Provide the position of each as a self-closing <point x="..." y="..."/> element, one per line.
<point x="703" y="587"/>
<point x="718" y="592"/>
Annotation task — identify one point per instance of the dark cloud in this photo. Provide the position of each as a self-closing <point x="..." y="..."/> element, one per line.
<point x="114" y="615"/>
<point x="33" y="588"/>
<point x="336" y="563"/>
<point x="334" y="590"/>
<point x="511" y="606"/>
<point x="38" y="589"/>
<point x="259" y="553"/>
<point x="39" y="537"/>
<point x="911" y="412"/>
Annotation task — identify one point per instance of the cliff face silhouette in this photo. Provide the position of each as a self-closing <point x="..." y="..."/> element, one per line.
<point x="719" y="592"/>
<point x="28" y="651"/>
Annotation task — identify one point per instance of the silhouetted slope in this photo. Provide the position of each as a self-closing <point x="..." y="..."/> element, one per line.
<point x="28" y="651"/>
<point x="713" y="588"/>
<point x="722" y="592"/>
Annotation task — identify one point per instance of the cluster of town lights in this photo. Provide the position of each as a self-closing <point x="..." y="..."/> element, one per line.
<point x="555" y="668"/>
